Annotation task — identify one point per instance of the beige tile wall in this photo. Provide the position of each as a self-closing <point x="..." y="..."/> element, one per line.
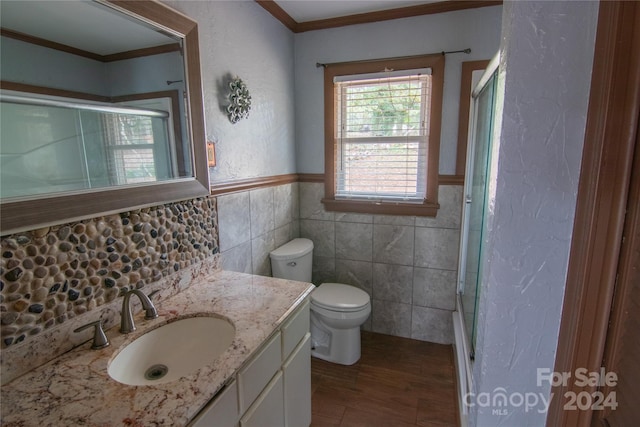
<point x="407" y="264"/>
<point x="253" y="223"/>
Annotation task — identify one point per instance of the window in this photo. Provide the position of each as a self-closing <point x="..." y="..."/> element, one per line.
<point x="131" y="145"/>
<point x="137" y="148"/>
<point x="382" y="135"/>
<point x="144" y="148"/>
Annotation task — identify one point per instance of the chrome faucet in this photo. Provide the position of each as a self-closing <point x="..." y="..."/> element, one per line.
<point x="126" y="324"/>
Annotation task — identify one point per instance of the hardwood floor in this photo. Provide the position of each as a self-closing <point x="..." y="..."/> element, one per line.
<point x="397" y="382"/>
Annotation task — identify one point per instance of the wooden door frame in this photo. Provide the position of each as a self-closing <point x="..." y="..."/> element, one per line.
<point x="628" y="277"/>
<point x="612" y="120"/>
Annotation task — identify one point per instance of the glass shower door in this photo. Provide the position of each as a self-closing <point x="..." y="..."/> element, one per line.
<point x="475" y="190"/>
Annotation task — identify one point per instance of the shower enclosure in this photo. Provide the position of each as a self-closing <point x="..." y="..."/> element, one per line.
<point x="60" y="145"/>
<point x="479" y="147"/>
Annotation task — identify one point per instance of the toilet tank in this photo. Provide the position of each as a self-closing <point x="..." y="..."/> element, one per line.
<point x="293" y="260"/>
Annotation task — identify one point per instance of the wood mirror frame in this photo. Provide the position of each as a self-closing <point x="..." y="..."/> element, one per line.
<point x="18" y="216"/>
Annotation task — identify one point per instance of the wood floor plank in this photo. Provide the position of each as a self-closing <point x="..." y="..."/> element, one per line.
<point x="397" y="382"/>
<point x="436" y="410"/>
<point x="326" y="405"/>
<point x="322" y="421"/>
<point x="396" y="378"/>
<point x="375" y="403"/>
<point x="358" y="418"/>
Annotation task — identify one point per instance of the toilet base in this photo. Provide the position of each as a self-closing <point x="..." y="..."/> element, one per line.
<point x="341" y="346"/>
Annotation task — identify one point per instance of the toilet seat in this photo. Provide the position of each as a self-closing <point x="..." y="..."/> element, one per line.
<point x="339" y="297"/>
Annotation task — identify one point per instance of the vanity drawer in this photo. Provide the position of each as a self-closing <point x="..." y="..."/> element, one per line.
<point x="297" y="385"/>
<point x="222" y="410"/>
<point x="295" y="329"/>
<point x="268" y="409"/>
<point x="253" y="378"/>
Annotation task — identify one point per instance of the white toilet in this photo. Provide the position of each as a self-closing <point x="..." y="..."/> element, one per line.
<point x="337" y="310"/>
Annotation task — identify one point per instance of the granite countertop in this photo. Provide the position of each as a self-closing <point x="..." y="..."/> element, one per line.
<point x="75" y="389"/>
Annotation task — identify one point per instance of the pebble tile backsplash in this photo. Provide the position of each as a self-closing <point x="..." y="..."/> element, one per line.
<point x="53" y="274"/>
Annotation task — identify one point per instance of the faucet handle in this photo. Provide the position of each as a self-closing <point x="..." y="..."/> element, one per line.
<point x="150" y="311"/>
<point x="99" y="338"/>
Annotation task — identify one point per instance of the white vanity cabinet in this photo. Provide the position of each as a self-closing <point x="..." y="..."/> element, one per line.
<point x="297" y="385"/>
<point x="273" y="388"/>
<point x="221" y="410"/>
<point x="257" y="373"/>
<point x="296" y="369"/>
<point x="268" y="409"/>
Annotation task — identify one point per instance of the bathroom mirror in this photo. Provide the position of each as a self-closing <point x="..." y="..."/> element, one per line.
<point x="101" y="110"/>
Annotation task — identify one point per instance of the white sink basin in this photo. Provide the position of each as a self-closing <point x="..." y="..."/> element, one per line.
<point x="172" y="351"/>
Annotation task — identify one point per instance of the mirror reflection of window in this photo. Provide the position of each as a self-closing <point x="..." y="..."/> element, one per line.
<point x="130" y="148"/>
<point x="144" y="148"/>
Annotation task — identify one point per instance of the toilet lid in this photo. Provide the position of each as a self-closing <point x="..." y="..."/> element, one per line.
<point x="292" y="250"/>
<point x="338" y="296"/>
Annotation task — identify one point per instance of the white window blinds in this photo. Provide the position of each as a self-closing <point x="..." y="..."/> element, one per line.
<point x="131" y="156"/>
<point x="382" y="133"/>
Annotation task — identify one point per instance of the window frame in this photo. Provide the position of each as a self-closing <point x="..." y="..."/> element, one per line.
<point x="430" y="205"/>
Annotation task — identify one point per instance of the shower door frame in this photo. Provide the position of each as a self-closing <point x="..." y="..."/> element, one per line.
<point x="464" y="352"/>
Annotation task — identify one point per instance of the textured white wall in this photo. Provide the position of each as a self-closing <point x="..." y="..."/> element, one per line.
<point x="545" y="74"/>
<point x="478" y="29"/>
<point x="240" y="38"/>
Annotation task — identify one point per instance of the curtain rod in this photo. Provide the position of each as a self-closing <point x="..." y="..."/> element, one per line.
<point x="467" y="51"/>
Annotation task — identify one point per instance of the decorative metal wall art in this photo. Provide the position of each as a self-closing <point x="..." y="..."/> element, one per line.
<point x="240" y="101"/>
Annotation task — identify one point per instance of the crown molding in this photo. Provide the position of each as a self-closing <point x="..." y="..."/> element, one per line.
<point x="119" y="56"/>
<point x="362" y="18"/>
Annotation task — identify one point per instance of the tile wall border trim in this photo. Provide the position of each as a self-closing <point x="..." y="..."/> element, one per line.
<point x="238" y="185"/>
